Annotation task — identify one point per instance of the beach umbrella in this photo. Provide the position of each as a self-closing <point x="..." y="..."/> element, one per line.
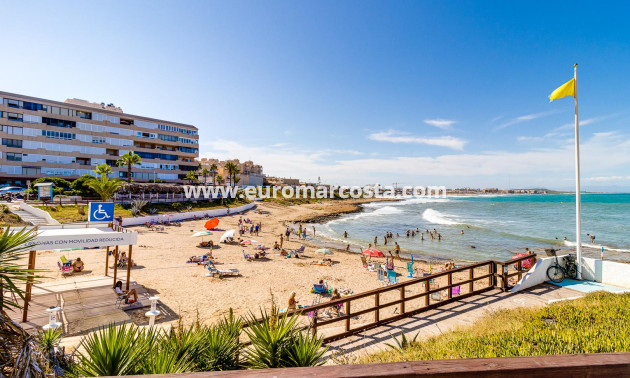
<point x="527" y="264"/>
<point x="249" y="241"/>
<point x="227" y="234"/>
<point x="373" y="252"/>
<point x="212" y="223"/>
<point x="324" y="251"/>
<point x="201" y="233"/>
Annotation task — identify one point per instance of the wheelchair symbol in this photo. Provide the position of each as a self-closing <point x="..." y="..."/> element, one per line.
<point x="100" y="211"/>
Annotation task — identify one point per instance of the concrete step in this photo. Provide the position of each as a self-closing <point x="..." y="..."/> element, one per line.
<point x="28" y="217"/>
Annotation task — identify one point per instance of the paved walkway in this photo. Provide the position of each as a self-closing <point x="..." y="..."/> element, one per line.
<point x="448" y="318"/>
<point x="26" y="216"/>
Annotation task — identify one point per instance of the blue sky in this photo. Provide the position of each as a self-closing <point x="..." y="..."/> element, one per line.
<point x="421" y="93"/>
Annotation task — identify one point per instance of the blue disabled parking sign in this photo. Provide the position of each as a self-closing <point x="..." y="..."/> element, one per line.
<point x="101" y="211"/>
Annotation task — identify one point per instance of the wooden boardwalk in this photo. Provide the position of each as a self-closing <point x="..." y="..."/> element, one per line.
<point x="86" y="302"/>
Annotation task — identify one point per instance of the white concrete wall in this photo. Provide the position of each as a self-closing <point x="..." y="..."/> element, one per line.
<point x="134" y="221"/>
<point x="607" y="272"/>
<point x="39" y="213"/>
<point x="536" y="275"/>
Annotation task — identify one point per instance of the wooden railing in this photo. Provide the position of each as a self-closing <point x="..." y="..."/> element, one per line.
<point x="421" y="288"/>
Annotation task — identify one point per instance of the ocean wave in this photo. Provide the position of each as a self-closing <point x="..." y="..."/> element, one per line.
<point x="403" y="202"/>
<point x="387" y="210"/>
<point x="599" y="247"/>
<point x="434" y="216"/>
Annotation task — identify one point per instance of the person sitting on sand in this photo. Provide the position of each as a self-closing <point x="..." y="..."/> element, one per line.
<point x="276" y="246"/>
<point x="120" y="292"/>
<point x="200" y="259"/>
<point x="283" y="252"/>
<point x="125" y="260"/>
<point x="78" y="265"/>
<point x="334" y="297"/>
<point x="292" y="302"/>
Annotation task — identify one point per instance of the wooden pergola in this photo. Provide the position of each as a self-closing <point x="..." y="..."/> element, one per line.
<point x="79" y="237"/>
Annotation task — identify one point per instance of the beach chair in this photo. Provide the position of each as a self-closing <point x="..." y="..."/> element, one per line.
<point x="455" y="290"/>
<point x="380" y="274"/>
<point x="299" y="250"/>
<point x="320" y="289"/>
<point x="247" y="256"/>
<point x="391" y="277"/>
<point x="65" y="261"/>
<point x="65" y="270"/>
<point x="390" y="265"/>
<point x="410" y="269"/>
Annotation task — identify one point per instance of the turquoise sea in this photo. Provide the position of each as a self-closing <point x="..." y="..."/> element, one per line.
<point x="497" y="226"/>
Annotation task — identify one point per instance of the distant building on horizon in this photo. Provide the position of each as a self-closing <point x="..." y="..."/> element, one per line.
<point x="251" y="174"/>
<point x="68" y="139"/>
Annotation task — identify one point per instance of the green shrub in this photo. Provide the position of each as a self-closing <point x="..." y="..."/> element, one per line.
<point x="81" y="188"/>
<point x="177" y="206"/>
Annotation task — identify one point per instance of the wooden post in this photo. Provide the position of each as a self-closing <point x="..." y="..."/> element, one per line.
<point x="106" y="261"/>
<point x="519" y="266"/>
<point x="377" y="312"/>
<point x="315" y="323"/>
<point x="129" y="268"/>
<point x="490" y="271"/>
<point x="471" y="285"/>
<point x="402" y="297"/>
<point x="29" y="284"/>
<point x="348" y="316"/>
<point x="426" y="290"/>
<point x="449" y="283"/>
<point x="115" y="264"/>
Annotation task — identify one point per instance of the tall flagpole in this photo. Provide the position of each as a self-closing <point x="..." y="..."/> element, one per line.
<point x="578" y="205"/>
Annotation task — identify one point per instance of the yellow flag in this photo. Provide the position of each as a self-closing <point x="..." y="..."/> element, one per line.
<point x="566" y="89"/>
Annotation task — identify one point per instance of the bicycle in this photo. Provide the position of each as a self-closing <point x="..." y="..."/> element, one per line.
<point x="556" y="272"/>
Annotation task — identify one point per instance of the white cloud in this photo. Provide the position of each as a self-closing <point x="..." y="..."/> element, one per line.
<point x="393" y="136"/>
<point x="604" y="155"/>
<point x="606" y="178"/>
<point x="525" y="118"/>
<point x="443" y="124"/>
<point x="529" y="139"/>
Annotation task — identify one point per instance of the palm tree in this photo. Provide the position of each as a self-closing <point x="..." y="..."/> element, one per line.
<point x="205" y="172"/>
<point x="213" y="170"/>
<point x="13" y="275"/>
<point x="232" y="170"/>
<point x="105" y="187"/>
<point x="129" y="159"/>
<point x="103" y="169"/>
<point x="219" y="179"/>
<point x="191" y="176"/>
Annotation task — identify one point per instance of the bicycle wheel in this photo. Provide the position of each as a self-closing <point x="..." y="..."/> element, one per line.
<point x="572" y="271"/>
<point x="555" y="274"/>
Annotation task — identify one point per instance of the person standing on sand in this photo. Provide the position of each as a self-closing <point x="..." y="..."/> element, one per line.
<point x="397" y="250"/>
<point x="385" y="241"/>
<point x="375" y="240"/>
<point x="281" y="240"/>
<point x="313" y="231"/>
<point x="299" y="233"/>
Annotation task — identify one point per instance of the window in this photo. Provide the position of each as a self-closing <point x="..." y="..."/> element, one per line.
<point x="15" y="130"/>
<point x="98" y="140"/>
<point x="188" y="150"/>
<point x="111" y="163"/>
<point x="15" y="143"/>
<point x="33" y="106"/>
<point x="58" y="135"/>
<point x="84" y="115"/>
<point x="168" y="138"/>
<point x="14" y="156"/>
<point x="13" y="103"/>
<point x="31" y="171"/>
<point x="58" y="122"/>
<point x="14" y="117"/>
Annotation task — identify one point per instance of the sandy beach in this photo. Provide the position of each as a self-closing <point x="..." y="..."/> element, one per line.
<point x="162" y="267"/>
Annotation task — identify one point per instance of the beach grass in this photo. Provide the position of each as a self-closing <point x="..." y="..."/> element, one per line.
<point x="72" y="213"/>
<point x="596" y="323"/>
<point x="7" y="218"/>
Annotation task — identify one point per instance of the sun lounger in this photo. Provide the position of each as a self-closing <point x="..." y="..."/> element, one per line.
<point x="214" y="272"/>
<point x="299" y="250"/>
<point x="410" y="269"/>
<point x="380" y="274"/>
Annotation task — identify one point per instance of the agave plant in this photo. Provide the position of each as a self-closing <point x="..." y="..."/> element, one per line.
<point x="137" y="206"/>
<point x="403" y="343"/>
<point x="305" y="350"/>
<point x="271" y="338"/>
